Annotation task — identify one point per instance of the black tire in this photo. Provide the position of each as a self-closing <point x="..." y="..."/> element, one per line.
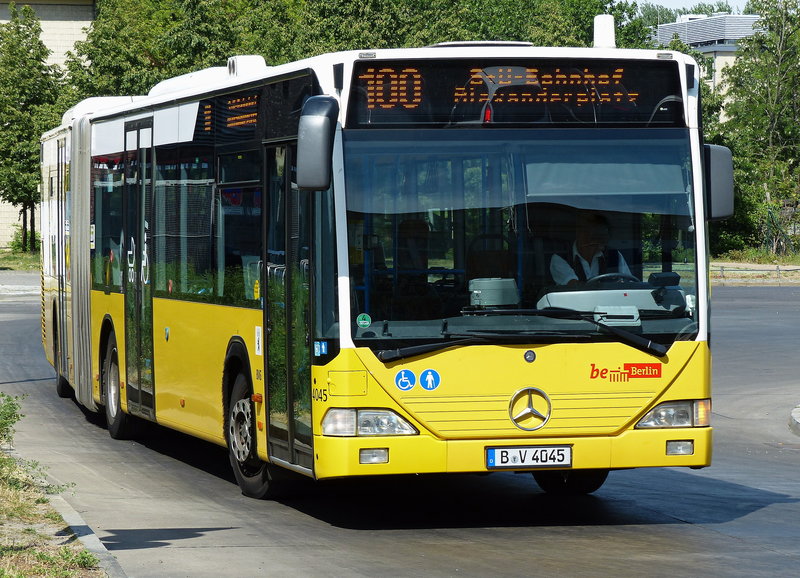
<point x="63" y="388"/>
<point x="120" y="425"/>
<point x="570" y="482"/>
<point x="253" y="475"/>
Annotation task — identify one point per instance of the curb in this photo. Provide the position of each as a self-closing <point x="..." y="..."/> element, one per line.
<point x="87" y="537"/>
<point x="77" y="525"/>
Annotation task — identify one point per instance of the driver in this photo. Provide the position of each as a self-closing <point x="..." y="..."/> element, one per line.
<point x="590" y="254"/>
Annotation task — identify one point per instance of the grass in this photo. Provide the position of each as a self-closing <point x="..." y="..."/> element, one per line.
<point x="759" y="256"/>
<point x="34" y="539"/>
<point x="13" y="261"/>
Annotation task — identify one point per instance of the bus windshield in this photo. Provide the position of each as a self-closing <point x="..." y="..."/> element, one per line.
<point x="469" y="232"/>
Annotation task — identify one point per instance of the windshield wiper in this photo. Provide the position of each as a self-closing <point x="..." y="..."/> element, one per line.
<point x="475" y="336"/>
<point x="625" y="336"/>
<point x="469" y="337"/>
<point x="387" y="355"/>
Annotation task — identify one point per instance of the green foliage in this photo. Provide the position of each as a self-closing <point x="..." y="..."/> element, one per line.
<point x="632" y="30"/>
<point x="121" y="53"/>
<point x="128" y="51"/>
<point x="759" y="255"/>
<point x="9" y="416"/>
<point x="763" y="130"/>
<point x="69" y="558"/>
<point x="16" y="245"/>
<point x="14" y="474"/>
<point x="29" y="88"/>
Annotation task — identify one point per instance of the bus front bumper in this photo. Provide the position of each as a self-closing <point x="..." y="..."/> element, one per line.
<point x="337" y="457"/>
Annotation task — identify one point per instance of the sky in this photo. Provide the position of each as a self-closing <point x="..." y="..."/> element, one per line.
<point x="737" y="5"/>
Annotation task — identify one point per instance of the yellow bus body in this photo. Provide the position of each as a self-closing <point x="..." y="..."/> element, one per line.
<point x="106" y="307"/>
<point x="189" y="343"/>
<point x="592" y="411"/>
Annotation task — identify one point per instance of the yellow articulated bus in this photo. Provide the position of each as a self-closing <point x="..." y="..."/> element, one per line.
<point x="470" y="257"/>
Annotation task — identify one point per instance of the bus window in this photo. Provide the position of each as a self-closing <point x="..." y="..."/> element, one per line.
<point x="239" y="238"/>
<point x="107" y="182"/>
<point x="185" y="254"/>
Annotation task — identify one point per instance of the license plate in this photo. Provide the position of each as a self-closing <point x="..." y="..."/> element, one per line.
<point x="529" y="457"/>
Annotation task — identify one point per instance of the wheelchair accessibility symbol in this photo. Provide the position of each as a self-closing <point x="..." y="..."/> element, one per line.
<point x="405" y="380"/>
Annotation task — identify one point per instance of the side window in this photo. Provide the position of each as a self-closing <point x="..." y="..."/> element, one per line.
<point x="284" y="101"/>
<point x="239" y="208"/>
<point x="240" y="233"/>
<point x="107" y="180"/>
<point x="240" y="167"/>
<point x="184" y="233"/>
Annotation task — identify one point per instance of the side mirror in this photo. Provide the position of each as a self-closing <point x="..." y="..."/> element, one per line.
<point x="315" y="142"/>
<point x="718" y="182"/>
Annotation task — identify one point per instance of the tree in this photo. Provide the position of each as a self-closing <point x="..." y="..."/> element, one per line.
<point x="340" y="24"/>
<point x="203" y="33"/>
<point x="29" y="89"/>
<point x="571" y="22"/>
<point x="131" y="46"/>
<point x="122" y="54"/>
<point x="763" y="127"/>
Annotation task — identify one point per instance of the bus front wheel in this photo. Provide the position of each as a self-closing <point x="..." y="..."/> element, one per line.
<point x="120" y="425"/>
<point x="570" y="482"/>
<point x="251" y="473"/>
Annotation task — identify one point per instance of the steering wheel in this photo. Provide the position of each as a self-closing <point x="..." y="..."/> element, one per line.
<point x="619" y="277"/>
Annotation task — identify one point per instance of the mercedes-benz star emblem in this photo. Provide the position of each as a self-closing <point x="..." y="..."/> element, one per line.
<point x="529" y="408"/>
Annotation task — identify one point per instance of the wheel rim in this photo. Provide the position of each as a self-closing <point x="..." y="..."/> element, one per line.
<point x="113" y="387"/>
<point x="239" y="430"/>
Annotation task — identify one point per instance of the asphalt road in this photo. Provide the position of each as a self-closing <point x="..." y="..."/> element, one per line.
<point x="167" y="505"/>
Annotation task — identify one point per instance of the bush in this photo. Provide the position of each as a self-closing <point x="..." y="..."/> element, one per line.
<point x="9" y="416"/>
<point x="16" y="240"/>
<point x="759" y="255"/>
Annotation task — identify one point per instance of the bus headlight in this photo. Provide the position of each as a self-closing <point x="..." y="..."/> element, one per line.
<point x="346" y="422"/>
<point x="689" y="413"/>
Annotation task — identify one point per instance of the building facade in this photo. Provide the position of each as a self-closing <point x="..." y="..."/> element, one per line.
<point x="63" y="23"/>
<point x="714" y="36"/>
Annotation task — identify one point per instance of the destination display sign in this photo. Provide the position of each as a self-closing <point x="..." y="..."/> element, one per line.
<point x="550" y="91"/>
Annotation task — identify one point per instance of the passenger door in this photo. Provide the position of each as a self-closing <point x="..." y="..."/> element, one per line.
<point x="288" y="320"/>
<point x="137" y="202"/>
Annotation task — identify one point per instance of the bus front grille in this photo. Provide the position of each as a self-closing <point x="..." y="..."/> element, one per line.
<point x="576" y="413"/>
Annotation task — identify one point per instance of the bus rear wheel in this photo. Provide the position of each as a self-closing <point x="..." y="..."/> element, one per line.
<point x="120" y="425"/>
<point x="251" y="473"/>
<point x="63" y="388"/>
<point x="570" y="482"/>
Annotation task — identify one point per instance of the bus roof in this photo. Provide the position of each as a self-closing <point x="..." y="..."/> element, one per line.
<point x="244" y="70"/>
